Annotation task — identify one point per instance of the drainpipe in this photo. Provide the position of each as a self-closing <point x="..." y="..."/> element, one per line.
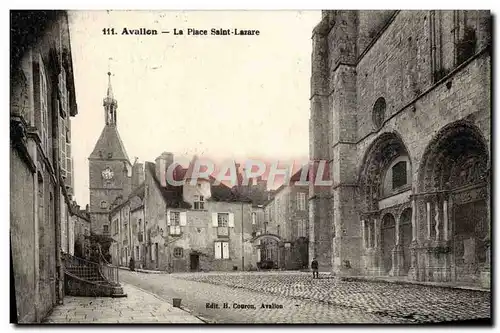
<point x="57" y="192"/>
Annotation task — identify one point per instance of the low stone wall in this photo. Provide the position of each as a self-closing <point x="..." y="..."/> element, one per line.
<point x="78" y="287"/>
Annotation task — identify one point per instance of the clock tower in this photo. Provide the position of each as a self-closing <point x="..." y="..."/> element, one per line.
<point x="109" y="168"/>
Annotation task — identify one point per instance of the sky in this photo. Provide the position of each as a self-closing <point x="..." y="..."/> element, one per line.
<point x="220" y="97"/>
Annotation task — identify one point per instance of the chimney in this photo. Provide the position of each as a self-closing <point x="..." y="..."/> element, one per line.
<point x="239" y="175"/>
<point x="262" y="184"/>
<point x="87" y="208"/>
<point x="137" y="175"/>
<point x="162" y="163"/>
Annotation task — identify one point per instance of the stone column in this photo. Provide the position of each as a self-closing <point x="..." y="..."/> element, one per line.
<point x="445" y="220"/>
<point x="413" y="221"/>
<point x="369" y="240"/>
<point x="436" y="219"/>
<point x="413" y="272"/>
<point x="397" y="252"/>
<point x="428" y="218"/>
<point x="376" y="251"/>
<point x="363" y="235"/>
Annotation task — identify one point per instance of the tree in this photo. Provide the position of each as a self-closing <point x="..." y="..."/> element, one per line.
<point x="99" y="241"/>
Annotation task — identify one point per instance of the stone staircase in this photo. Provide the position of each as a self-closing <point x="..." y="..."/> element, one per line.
<point x="87" y="278"/>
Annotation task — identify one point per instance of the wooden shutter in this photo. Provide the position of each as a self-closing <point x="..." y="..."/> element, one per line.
<point x="215" y="222"/>
<point x="218" y="250"/>
<point x="230" y="223"/>
<point x="168" y="217"/>
<point x="225" y="250"/>
<point x="183" y="218"/>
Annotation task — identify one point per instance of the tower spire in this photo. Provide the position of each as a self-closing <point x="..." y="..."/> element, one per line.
<point x="110" y="89"/>
<point x="110" y="104"/>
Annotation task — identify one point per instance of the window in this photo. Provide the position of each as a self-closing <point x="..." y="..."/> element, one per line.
<point x="104" y="204"/>
<point x="222" y="224"/>
<point x="221" y="250"/>
<point x="399" y="177"/>
<point x="222" y="219"/>
<point x="278" y="230"/>
<point x="265" y="227"/>
<point x="178" y="252"/>
<point x="110" y="155"/>
<point x="199" y="202"/>
<point x="253" y="217"/>
<point x="106" y="229"/>
<point x="301" y="201"/>
<point x="175" y="221"/>
<point x="378" y="115"/>
<point x="137" y="253"/>
<point x="139" y="223"/>
<point x="41" y="101"/>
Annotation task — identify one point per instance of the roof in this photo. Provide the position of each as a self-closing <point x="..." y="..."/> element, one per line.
<point x="295" y="178"/>
<point x="172" y="195"/>
<point x="109" y="142"/>
<point x="222" y="192"/>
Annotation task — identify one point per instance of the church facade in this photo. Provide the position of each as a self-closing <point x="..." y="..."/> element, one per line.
<point x="401" y="107"/>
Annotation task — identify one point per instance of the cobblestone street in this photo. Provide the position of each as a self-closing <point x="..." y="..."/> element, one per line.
<point x="305" y="300"/>
<point x="413" y="302"/>
<point x="138" y="307"/>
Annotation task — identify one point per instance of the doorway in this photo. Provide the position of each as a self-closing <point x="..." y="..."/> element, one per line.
<point x="194" y="260"/>
<point x="406" y="238"/>
<point x="388" y="241"/>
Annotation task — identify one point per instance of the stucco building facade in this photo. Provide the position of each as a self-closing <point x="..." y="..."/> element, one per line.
<point x="284" y="236"/>
<point x="190" y="227"/>
<point x="41" y="178"/>
<point x="401" y="108"/>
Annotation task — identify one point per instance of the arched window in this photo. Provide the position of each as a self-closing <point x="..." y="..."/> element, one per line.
<point x="378" y="115"/>
<point x="399" y="177"/>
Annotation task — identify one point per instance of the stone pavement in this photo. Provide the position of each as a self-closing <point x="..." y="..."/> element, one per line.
<point x="202" y="299"/>
<point x="414" y="302"/>
<point x="138" y="307"/>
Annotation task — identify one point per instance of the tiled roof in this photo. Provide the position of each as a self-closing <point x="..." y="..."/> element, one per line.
<point x="109" y="142"/>
<point x="172" y="195"/>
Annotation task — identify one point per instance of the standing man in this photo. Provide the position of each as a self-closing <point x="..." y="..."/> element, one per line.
<point x="314" y="266"/>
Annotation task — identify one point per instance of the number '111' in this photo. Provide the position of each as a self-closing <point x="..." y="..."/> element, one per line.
<point x="108" y="31"/>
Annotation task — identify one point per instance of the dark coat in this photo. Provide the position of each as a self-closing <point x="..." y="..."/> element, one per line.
<point x="314" y="264"/>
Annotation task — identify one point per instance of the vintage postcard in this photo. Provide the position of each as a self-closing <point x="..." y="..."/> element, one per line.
<point x="249" y="167"/>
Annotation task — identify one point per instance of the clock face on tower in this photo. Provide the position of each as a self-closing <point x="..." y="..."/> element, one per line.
<point x="107" y="173"/>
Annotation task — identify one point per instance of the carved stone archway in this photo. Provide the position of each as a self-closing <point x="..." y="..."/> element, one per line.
<point x="382" y="254"/>
<point x="453" y="205"/>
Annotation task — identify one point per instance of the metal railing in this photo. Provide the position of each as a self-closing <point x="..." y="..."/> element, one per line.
<point x="101" y="273"/>
<point x="82" y="268"/>
<point x="109" y="271"/>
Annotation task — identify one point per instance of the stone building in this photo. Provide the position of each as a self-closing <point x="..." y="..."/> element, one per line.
<point x="284" y="236"/>
<point x="109" y="167"/>
<point x="41" y="177"/>
<point x="401" y="106"/>
<point x="189" y="227"/>
<point x="80" y="221"/>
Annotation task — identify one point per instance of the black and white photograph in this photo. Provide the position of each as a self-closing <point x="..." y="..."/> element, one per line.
<point x="250" y="167"/>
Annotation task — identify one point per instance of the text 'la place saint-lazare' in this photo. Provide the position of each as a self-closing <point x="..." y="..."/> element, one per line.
<point x="182" y="32"/>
